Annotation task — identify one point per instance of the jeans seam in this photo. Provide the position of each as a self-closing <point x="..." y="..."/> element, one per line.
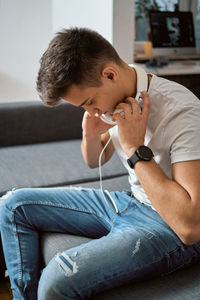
<point x="18" y="249"/>
<point x="128" y="211"/>
<point x="63" y="206"/>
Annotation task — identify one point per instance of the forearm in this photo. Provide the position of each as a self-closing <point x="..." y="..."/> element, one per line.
<point x="170" y="199"/>
<point x="94" y="137"/>
<point x="91" y="148"/>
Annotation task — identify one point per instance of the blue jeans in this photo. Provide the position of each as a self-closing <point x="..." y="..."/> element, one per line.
<point x="132" y="245"/>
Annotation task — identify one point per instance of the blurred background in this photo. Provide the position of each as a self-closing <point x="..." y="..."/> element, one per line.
<point x="27" y="26"/>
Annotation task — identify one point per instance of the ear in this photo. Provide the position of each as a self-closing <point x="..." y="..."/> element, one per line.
<point x="110" y="73"/>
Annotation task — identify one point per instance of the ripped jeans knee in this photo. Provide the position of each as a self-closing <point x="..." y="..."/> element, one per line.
<point x="6" y="196"/>
<point x="67" y="264"/>
<point x="58" y="279"/>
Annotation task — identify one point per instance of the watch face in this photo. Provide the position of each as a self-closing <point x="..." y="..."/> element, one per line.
<point x="144" y="153"/>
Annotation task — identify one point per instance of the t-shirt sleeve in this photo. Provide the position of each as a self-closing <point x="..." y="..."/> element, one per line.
<point x="182" y="133"/>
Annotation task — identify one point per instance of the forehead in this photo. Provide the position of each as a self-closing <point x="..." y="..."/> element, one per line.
<point x="76" y="94"/>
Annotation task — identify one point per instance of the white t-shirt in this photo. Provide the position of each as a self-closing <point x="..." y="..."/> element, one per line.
<point x="173" y="131"/>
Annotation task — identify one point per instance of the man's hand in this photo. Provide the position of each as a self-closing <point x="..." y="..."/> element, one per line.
<point x="93" y="126"/>
<point x="132" y="127"/>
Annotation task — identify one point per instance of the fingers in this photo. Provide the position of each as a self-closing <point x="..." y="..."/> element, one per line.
<point x="131" y="106"/>
<point x="125" y="107"/>
<point x="146" y="104"/>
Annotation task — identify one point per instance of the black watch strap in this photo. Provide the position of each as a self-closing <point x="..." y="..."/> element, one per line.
<point x="132" y="160"/>
<point x="143" y="153"/>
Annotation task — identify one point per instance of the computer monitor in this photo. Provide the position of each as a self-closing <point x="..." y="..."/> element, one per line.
<point x="172" y="33"/>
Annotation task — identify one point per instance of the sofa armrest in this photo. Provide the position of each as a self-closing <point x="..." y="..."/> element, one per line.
<point x="31" y="122"/>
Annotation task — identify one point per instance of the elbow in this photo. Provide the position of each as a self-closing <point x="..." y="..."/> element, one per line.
<point x="188" y="229"/>
<point x="91" y="165"/>
<point x="189" y="240"/>
<point x="190" y="236"/>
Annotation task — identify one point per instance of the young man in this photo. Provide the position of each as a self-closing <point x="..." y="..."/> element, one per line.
<point x="155" y="228"/>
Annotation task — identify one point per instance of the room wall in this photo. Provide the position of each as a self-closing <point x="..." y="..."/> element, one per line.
<point x="94" y="14"/>
<point x="27" y="26"/>
<point x="114" y="19"/>
<point x="25" y="31"/>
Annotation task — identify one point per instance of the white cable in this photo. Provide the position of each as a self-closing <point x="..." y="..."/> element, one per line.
<point x="100" y="178"/>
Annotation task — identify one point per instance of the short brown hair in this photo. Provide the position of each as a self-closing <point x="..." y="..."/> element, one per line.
<point x="74" y="56"/>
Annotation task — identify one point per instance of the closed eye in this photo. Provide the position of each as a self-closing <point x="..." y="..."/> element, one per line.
<point x="89" y="102"/>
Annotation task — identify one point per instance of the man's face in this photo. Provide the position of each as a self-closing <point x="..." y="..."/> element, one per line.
<point x="98" y="100"/>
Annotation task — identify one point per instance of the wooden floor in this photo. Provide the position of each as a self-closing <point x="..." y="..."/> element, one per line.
<point x="5" y="291"/>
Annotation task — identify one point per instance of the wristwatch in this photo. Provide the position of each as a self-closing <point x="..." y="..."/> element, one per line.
<point x="143" y="153"/>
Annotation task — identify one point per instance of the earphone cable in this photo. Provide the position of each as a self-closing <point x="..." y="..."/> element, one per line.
<point x="100" y="181"/>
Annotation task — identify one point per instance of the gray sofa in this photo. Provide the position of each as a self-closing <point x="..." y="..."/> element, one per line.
<point x="40" y="147"/>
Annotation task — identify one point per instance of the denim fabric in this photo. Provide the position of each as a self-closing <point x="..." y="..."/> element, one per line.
<point x="126" y="247"/>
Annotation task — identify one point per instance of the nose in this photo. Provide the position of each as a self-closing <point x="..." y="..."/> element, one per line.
<point x="93" y="111"/>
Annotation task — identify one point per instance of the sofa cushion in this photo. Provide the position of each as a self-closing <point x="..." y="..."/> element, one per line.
<point x="118" y="183"/>
<point x="31" y="122"/>
<point x="50" y="164"/>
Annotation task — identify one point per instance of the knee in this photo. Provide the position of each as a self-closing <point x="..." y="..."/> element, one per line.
<point x="10" y="201"/>
<point x="60" y="279"/>
<point x="14" y="198"/>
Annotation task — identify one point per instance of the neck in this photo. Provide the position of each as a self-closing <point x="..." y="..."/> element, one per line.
<point x="131" y="80"/>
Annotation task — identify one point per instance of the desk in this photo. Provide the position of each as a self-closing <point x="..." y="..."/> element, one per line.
<point x="186" y="73"/>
